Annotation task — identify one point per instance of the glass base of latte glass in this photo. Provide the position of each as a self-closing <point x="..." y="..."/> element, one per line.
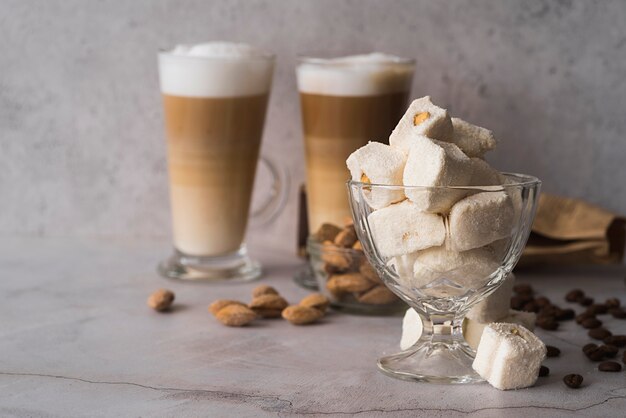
<point x="234" y="267"/>
<point x="306" y="278"/>
<point x="441" y="355"/>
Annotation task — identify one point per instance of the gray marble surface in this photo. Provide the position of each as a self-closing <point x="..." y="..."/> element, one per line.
<point x="81" y="129"/>
<point x="76" y="339"/>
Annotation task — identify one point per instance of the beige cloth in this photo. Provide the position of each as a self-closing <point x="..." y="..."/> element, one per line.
<point x="570" y="231"/>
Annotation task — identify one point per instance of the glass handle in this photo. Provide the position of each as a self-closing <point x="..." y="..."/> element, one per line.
<point x="276" y="198"/>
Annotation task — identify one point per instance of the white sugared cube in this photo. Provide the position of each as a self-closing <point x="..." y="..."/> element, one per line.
<point x="473" y="330"/>
<point x="473" y="140"/>
<point x="480" y="219"/>
<point x="411" y="329"/>
<point x="435" y="163"/>
<point x="378" y="164"/>
<point x="402" y="228"/>
<point x="422" y="119"/>
<point x="483" y="174"/>
<point x="509" y="356"/>
<point x="440" y="272"/>
<point x="495" y="306"/>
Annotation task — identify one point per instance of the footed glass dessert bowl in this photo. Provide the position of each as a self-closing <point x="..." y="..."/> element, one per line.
<point x="442" y="263"/>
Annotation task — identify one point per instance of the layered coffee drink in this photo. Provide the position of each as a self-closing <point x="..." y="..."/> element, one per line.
<point x="345" y="103"/>
<point x="215" y="97"/>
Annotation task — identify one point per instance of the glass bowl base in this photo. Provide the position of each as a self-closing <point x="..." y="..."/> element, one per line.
<point x="432" y="362"/>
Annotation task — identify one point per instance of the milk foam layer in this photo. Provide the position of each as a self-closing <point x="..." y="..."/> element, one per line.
<point x="215" y="69"/>
<point x="355" y="75"/>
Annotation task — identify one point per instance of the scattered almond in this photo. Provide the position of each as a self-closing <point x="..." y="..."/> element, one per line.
<point x="315" y="300"/>
<point x="378" y="295"/>
<point x="301" y="315"/>
<point x="161" y="300"/>
<point x="263" y="290"/>
<point x="235" y="315"/>
<point x="219" y="304"/>
<point x="346" y="238"/>
<point x="268" y="305"/>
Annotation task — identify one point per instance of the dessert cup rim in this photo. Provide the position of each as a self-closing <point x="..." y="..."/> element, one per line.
<point x="528" y="181"/>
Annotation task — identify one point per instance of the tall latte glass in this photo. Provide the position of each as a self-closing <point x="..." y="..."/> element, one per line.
<point x="215" y="96"/>
<point x="345" y="103"/>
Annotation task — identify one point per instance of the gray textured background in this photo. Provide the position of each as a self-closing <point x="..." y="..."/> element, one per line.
<point x="82" y="147"/>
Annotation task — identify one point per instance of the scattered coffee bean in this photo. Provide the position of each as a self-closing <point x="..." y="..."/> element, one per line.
<point x="597" y="309"/>
<point x="610" y="366"/>
<point x="549" y="310"/>
<point x="599" y="333"/>
<point x="523" y="288"/>
<point x="624" y="357"/>
<point x="552" y="351"/>
<point x="531" y="307"/>
<point x="616" y="340"/>
<point x="618" y="313"/>
<point x="590" y="323"/>
<point x="581" y="317"/>
<point x="517" y="303"/>
<point x="565" y="314"/>
<point x="547" y="323"/>
<point x="573" y="380"/>
<point x="543" y="301"/>
<point x="609" y="350"/>
<point x="596" y="354"/>
<point x="612" y="303"/>
<point x="589" y="347"/>
<point x="543" y="371"/>
<point x="586" y="301"/>
<point x="574" y="295"/>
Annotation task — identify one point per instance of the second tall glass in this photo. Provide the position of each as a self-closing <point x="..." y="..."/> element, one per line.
<point x="345" y="103"/>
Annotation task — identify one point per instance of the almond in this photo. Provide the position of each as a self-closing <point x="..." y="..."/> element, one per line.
<point x="219" y="304"/>
<point x="327" y="232"/>
<point x="263" y="290"/>
<point x="161" y="300"/>
<point x="348" y="283"/>
<point x="379" y="295"/>
<point x="369" y="272"/>
<point x="268" y="306"/>
<point x="315" y="300"/>
<point x="346" y="238"/>
<point x="339" y="260"/>
<point x="301" y="315"/>
<point x="235" y="315"/>
<point x="357" y="246"/>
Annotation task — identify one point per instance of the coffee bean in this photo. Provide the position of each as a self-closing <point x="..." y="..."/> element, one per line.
<point x="543" y="301"/>
<point x="523" y="288"/>
<point x="547" y="323"/>
<point x="596" y="354"/>
<point x="543" y="371"/>
<point x="573" y="380"/>
<point x="574" y="295"/>
<point x="531" y="307"/>
<point x="552" y="351"/>
<point x="597" y="309"/>
<point x="599" y="333"/>
<point x="589" y="347"/>
<point x="610" y="366"/>
<point x="618" y="313"/>
<point x="581" y="317"/>
<point x="586" y="301"/>
<point x="565" y="314"/>
<point x="612" y="303"/>
<point x="624" y="357"/>
<point x="590" y="323"/>
<point x="609" y="350"/>
<point x="549" y="310"/>
<point x="517" y="303"/>
<point x="616" y="340"/>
